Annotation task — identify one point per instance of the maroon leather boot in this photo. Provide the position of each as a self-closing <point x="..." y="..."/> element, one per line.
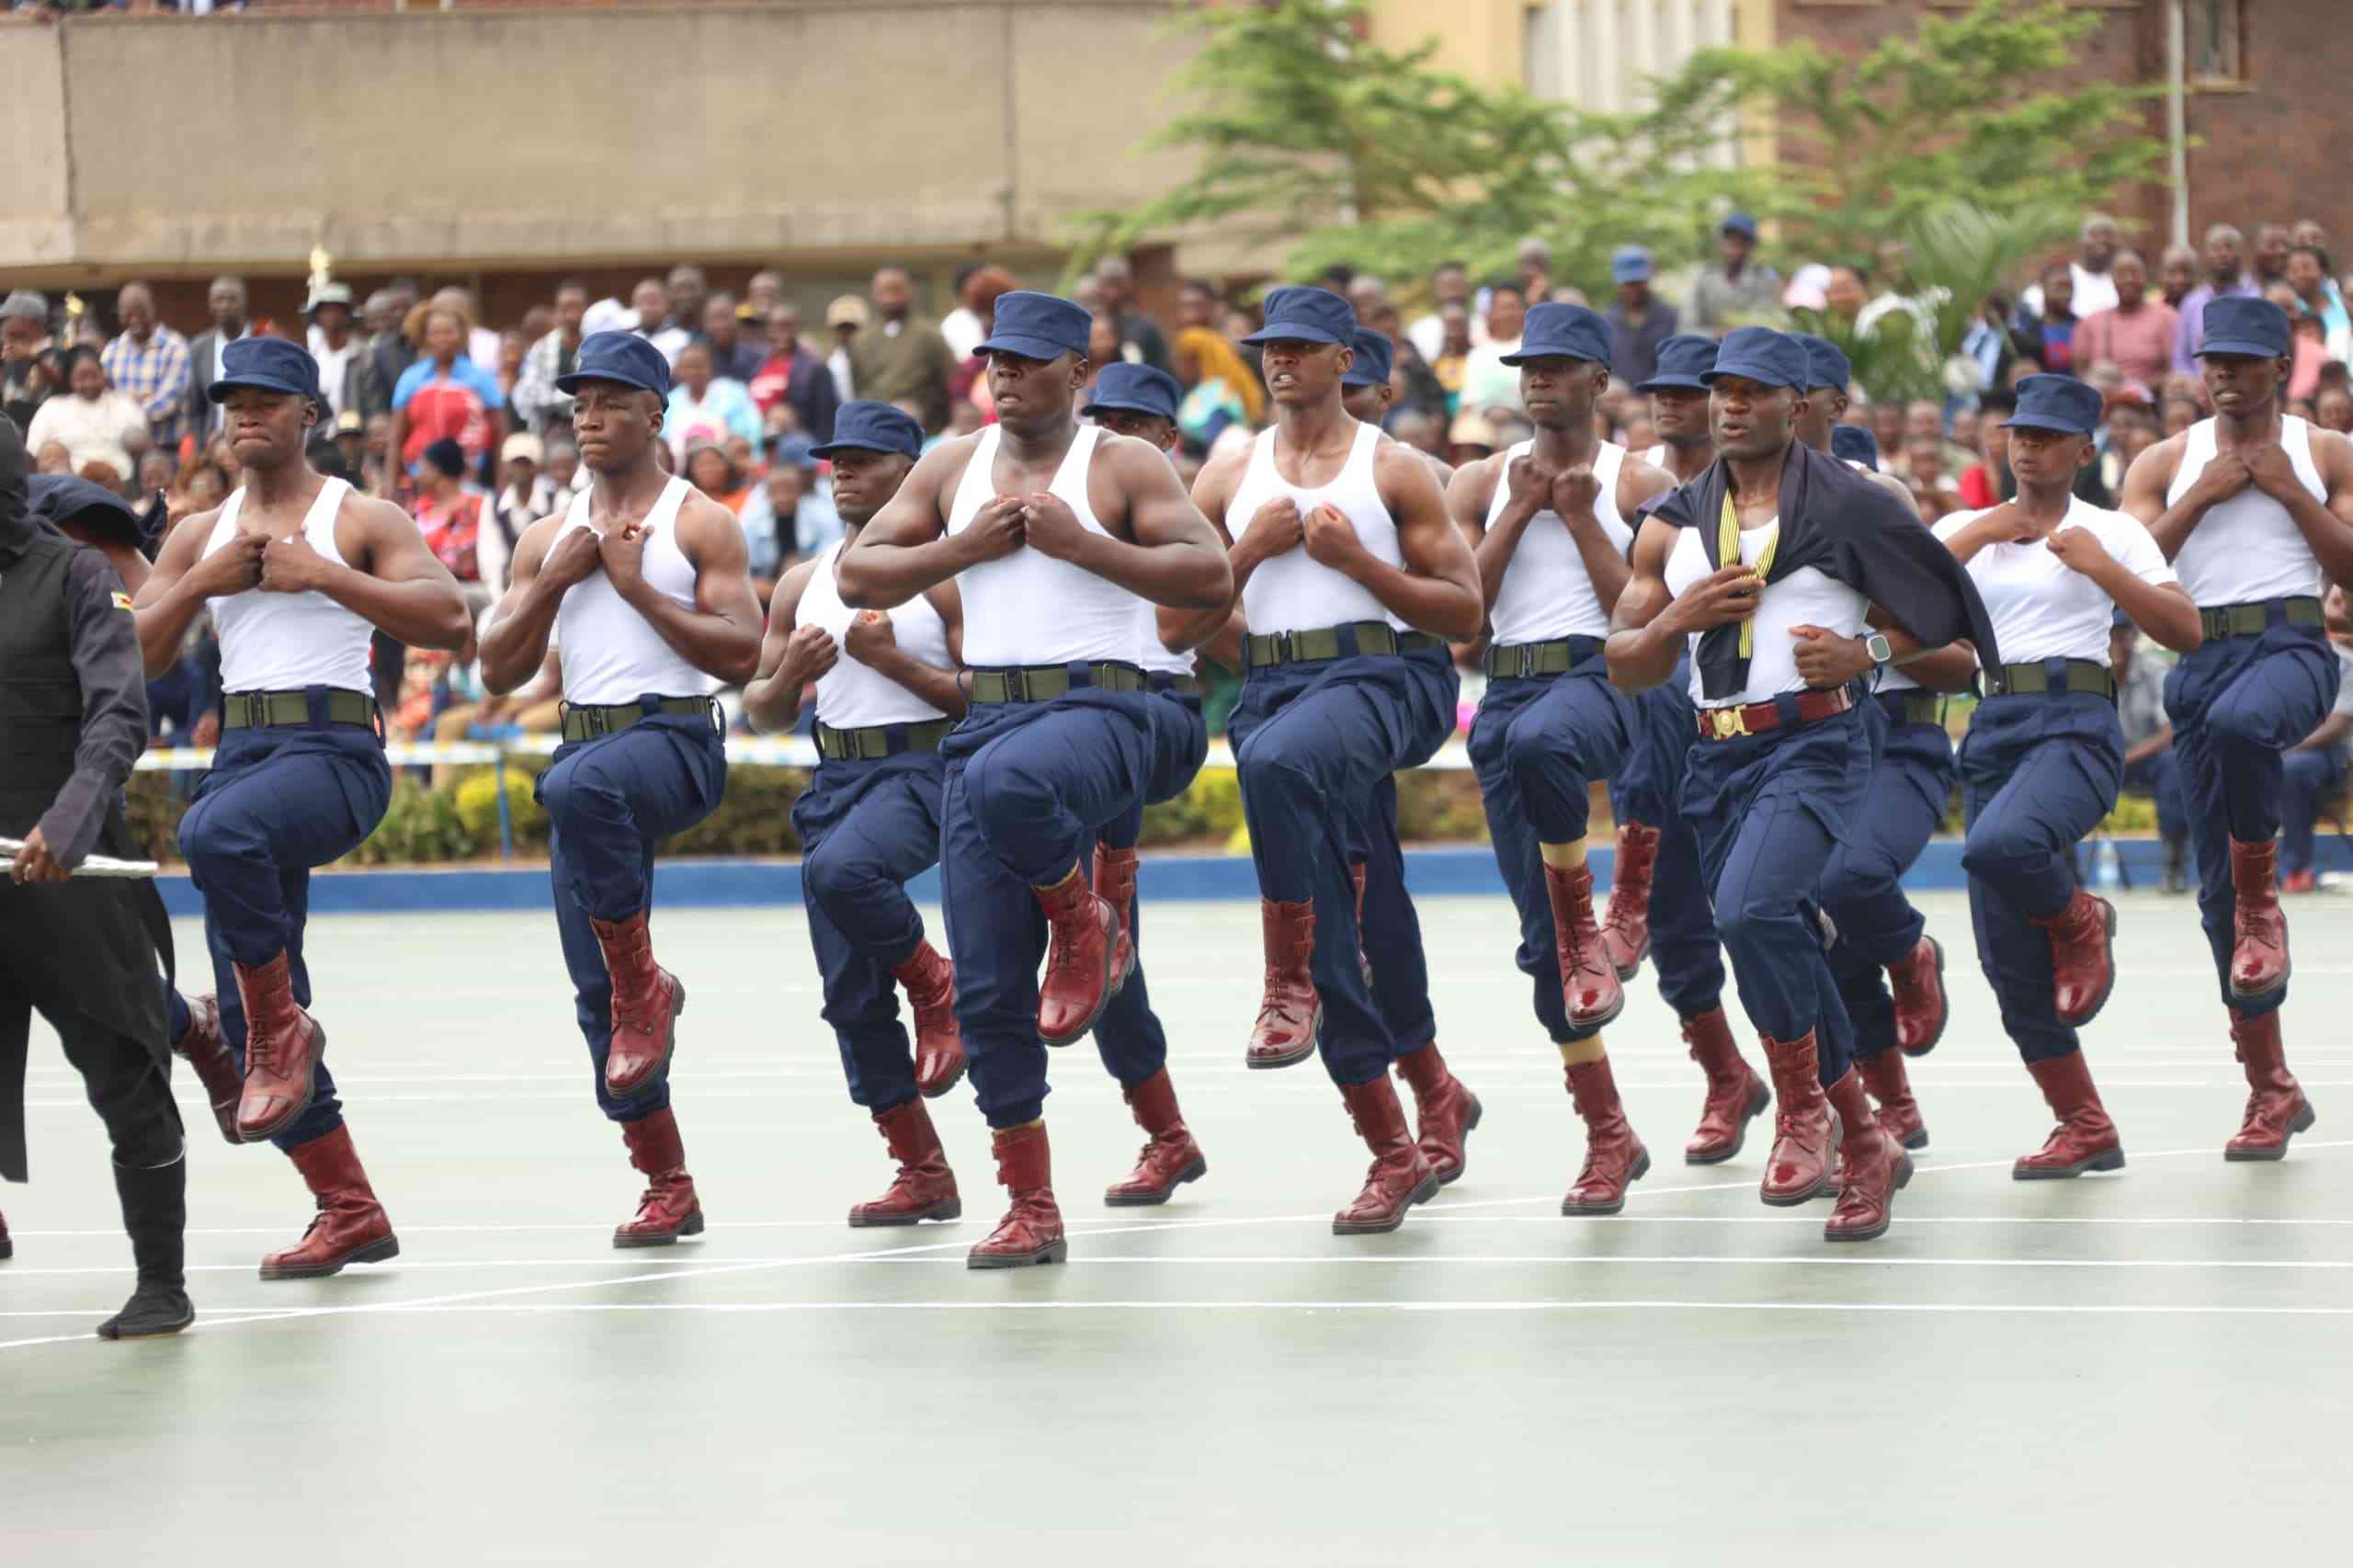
<point x="1290" y="1016"/>
<point x="1614" y="1157"/>
<point x="215" y="1067"/>
<point x="1917" y="979"/>
<point x="282" y="1045"/>
<point x="1398" y="1177"/>
<point x="1447" y="1112"/>
<point x="2276" y="1107"/>
<point x="350" y="1226"/>
<point x="647" y="1000"/>
<point x="1083" y="969"/>
<point x="668" y="1208"/>
<point x="1891" y="1085"/>
<point x="2084" y="1139"/>
<point x="2259" y="932"/>
<point x="1589" y="987"/>
<point x="930" y="982"/>
<point x="1737" y="1095"/>
<point x="1170" y="1157"/>
<point x="2082" y="957"/>
<point x="924" y="1187"/>
<point x="1803" y="1127"/>
<point x="1873" y="1167"/>
<point x="1031" y="1231"/>
<point x="1626" y="931"/>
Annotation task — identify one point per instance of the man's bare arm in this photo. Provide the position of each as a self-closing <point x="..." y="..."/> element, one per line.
<point x="720" y="635"/>
<point x="1438" y="589"/>
<point x="1172" y="556"/>
<point x="771" y="701"/>
<point x="514" y="643"/>
<point x="905" y="548"/>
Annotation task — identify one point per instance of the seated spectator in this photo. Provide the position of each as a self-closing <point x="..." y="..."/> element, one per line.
<point x="1471" y="438"/>
<point x="445" y="395"/>
<point x="733" y="356"/>
<point x="148" y="363"/>
<point x="705" y="408"/>
<point x="2048" y="336"/>
<point x="1924" y="471"/>
<point x="452" y="510"/>
<point x="2150" y="762"/>
<point x="1139" y="335"/>
<point x="1983" y="483"/>
<point x="2333" y="410"/>
<point x="1221" y="393"/>
<point x="92" y="420"/>
<point x="793" y="389"/>
<point x="709" y="469"/>
<point x="1487" y="383"/>
<point x="28" y="365"/>
<point x="2316" y="293"/>
<point x="525" y="495"/>
<point x="2178" y="415"/>
<point x="563" y="475"/>
<point x="539" y="402"/>
<point x="1924" y="420"/>
<point x="2136" y="334"/>
<point x="2314" y="766"/>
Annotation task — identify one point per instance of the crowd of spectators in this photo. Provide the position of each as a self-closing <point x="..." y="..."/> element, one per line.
<point x="462" y="419"/>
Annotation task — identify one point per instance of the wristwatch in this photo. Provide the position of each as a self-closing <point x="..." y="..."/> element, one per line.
<point x="1876" y="646"/>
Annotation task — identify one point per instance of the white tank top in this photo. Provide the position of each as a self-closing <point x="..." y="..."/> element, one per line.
<point x="1804" y="597"/>
<point x="1027" y="608"/>
<point x="287" y="641"/>
<point x="611" y="654"/>
<point x="1293" y="593"/>
<point x="1154" y="653"/>
<point x="2248" y="549"/>
<point x="1656" y="456"/>
<point x="1546" y="592"/>
<point x="852" y="696"/>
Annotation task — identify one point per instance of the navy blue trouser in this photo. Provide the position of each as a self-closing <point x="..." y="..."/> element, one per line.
<point x="1314" y="743"/>
<point x="1685" y="955"/>
<point x="1028" y="787"/>
<point x="2238" y="704"/>
<point x="867" y="827"/>
<point x="609" y="802"/>
<point x="1769" y="810"/>
<point x="1862" y="892"/>
<point x="2161" y="777"/>
<point x="277" y="802"/>
<point x="2306" y="777"/>
<point x="1546" y="738"/>
<point x="2037" y="772"/>
<point x="1129" y="1036"/>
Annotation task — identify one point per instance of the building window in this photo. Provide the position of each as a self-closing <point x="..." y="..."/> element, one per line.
<point x="2216" y="32"/>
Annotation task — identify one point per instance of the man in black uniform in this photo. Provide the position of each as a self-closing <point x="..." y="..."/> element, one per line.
<point x="72" y="719"/>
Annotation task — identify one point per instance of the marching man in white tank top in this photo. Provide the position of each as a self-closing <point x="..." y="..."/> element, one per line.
<point x="1352" y="577"/>
<point x="643" y="582"/>
<point x="887" y="695"/>
<point x="1890" y="971"/>
<point x="299" y="574"/>
<point x="1734" y="573"/>
<point x="1549" y="521"/>
<point x="1140" y="402"/>
<point x="2252" y="507"/>
<point x="1053" y="531"/>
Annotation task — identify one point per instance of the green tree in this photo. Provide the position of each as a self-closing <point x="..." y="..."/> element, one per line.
<point x="1331" y="149"/>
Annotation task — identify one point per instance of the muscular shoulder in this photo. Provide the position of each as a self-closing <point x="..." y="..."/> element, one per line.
<point x="372" y="516"/>
<point x="944" y="465"/>
<point x="1639" y="482"/>
<point x="1222" y="476"/>
<point x="1474" y="482"/>
<point x="2160" y="462"/>
<point x="2332" y="453"/>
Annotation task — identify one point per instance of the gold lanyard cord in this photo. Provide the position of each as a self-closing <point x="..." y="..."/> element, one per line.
<point x="1728" y="554"/>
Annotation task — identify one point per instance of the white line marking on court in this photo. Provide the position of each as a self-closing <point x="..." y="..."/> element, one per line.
<point x="1367" y="1306"/>
<point x="715" y="1268"/>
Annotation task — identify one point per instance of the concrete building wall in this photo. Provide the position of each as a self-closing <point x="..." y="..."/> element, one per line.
<point x="800" y="130"/>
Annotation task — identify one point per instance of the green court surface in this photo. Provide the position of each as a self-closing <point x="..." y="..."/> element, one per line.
<point x="2125" y="1368"/>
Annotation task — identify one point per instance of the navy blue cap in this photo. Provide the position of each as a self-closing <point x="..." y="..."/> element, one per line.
<point x="65" y="498"/>
<point x="272" y="364"/>
<point x="2247" y="324"/>
<point x="1737" y="223"/>
<point x="798" y="450"/>
<point x="1761" y="354"/>
<point x="1135" y="389"/>
<point x="869" y="426"/>
<point x="1562" y="332"/>
<point x="1682" y="360"/>
<point x="1037" y="327"/>
<point x="1376" y="356"/>
<point x="1826" y="364"/>
<point x="622" y="357"/>
<point x="1629" y="264"/>
<point x="1301" y="314"/>
<point x="1853" y="444"/>
<point x="2056" y="403"/>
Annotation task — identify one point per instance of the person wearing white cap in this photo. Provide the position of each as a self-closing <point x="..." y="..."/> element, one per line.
<point x="334" y="345"/>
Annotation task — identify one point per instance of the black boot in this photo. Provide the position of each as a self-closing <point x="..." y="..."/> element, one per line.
<point x="154" y="1213"/>
<point x="2177" y="866"/>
